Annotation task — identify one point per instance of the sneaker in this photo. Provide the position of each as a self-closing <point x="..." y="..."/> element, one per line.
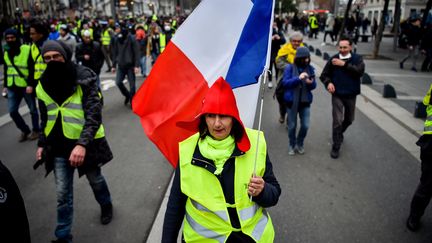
<point x="300" y="149"/>
<point x="291" y="150"/>
<point x="126" y="101"/>
<point x="106" y="213"/>
<point x="33" y="135"/>
<point x="413" y="224"/>
<point x="270" y="84"/>
<point x="414" y="69"/>
<point x="281" y="119"/>
<point x="334" y="153"/>
<point x="401" y="65"/>
<point x="323" y="44"/>
<point x="23" y="137"/>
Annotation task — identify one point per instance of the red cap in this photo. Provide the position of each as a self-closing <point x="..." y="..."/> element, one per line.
<point x="220" y="100"/>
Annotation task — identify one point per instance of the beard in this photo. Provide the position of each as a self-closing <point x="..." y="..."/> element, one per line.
<point x="59" y="80"/>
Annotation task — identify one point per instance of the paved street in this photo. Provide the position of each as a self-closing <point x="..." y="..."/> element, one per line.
<point x="363" y="196"/>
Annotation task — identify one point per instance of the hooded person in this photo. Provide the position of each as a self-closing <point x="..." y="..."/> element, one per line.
<point x="298" y="81"/>
<point x="220" y="157"/>
<point x="73" y="134"/>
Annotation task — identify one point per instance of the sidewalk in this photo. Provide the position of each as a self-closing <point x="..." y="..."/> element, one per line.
<point x="410" y="86"/>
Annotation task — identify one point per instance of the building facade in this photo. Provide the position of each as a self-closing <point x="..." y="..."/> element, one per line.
<point x="373" y="9"/>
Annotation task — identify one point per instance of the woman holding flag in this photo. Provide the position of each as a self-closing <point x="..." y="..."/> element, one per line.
<point x="218" y="192"/>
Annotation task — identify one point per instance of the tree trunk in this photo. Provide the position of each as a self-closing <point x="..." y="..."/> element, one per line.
<point x="380" y="30"/>
<point x="396" y="23"/>
<point x="345" y="20"/>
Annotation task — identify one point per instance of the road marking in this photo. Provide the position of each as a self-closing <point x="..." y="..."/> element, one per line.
<point x="389" y="75"/>
<point x="6" y="118"/>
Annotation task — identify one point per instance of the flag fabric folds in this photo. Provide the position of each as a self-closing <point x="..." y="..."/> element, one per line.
<point x="228" y="38"/>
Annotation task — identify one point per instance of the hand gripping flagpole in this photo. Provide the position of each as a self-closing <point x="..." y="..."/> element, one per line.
<point x="264" y="78"/>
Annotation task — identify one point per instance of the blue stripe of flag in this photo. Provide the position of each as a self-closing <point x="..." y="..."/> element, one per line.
<point x="250" y="55"/>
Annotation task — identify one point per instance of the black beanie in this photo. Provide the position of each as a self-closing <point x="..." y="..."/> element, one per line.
<point x="11" y="31"/>
<point x="52" y="45"/>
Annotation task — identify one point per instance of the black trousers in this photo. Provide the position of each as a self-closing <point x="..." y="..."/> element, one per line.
<point x="423" y="194"/>
<point x="343" y="111"/>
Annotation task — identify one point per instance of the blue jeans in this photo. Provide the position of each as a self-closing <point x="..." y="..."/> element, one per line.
<point x="64" y="174"/>
<point x="121" y="73"/>
<point x="143" y="65"/>
<point x="304" y="115"/>
<point x="14" y="101"/>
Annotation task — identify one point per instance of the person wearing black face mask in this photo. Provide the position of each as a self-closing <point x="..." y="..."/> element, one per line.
<point x="298" y="81"/>
<point x="126" y="58"/>
<point x="17" y="86"/>
<point x="73" y="135"/>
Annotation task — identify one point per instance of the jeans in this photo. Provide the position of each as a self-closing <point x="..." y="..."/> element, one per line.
<point x="343" y="110"/>
<point x="64" y="174"/>
<point x="143" y="64"/>
<point x="121" y="73"/>
<point x="304" y="115"/>
<point x="14" y="101"/>
<point x="412" y="54"/>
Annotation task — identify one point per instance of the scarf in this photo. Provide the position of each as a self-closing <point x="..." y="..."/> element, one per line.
<point x="217" y="150"/>
<point x="59" y="80"/>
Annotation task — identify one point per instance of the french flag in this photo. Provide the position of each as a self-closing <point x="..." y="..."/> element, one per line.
<point x="221" y="38"/>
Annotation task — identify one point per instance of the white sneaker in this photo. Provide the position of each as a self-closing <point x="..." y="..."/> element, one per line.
<point x="291" y="150"/>
<point x="323" y="44"/>
<point x="300" y="149"/>
<point x="270" y="84"/>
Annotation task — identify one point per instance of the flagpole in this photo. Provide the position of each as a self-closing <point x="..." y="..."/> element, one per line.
<point x="264" y="78"/>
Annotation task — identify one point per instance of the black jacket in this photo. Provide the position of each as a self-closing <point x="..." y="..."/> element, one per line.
<point x="98" y="151"/>
<point x="96" y="56"/>
<point x="177" y="200"/>
<point x="14" y="225"/>
<point x="346" y="79"/>
<point x="125" y="53"/>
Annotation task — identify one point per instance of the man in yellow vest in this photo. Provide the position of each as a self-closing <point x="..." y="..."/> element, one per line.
<point x="38" y="34"/>
<point x="313" y="26"/>
<point x="216" y="191"/>
<point x="107" y="33"/>
<point x="17" y="85"/>
<point x="423" y="193"/>
<point x="73" y="135"/>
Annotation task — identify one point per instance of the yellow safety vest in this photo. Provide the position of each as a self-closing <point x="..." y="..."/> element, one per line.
<point x="207" y="218"/>
<point x="313" y="22"/>
<point x="106" y="37"/>
<point x="72" y="113"/>
<point x="162" y="42"/>
<point x="20" y="62"/>
<point x="91" y="33"/>
<point x="428" y="121"/>
<point x="40" y="65"/>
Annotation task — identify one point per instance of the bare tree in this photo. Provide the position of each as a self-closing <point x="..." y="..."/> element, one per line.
<point x="396" y="23"/>
<point x="380" y="30"/>
<point x="345" y="20"/>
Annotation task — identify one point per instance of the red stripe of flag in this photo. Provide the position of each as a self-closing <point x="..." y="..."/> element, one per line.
<point x="172" y="92"/>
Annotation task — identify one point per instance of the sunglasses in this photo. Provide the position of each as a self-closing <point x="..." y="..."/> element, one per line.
<point x="55" y="57"/>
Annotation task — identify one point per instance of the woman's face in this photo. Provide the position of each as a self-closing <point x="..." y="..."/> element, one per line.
<point x="219" y="126"/>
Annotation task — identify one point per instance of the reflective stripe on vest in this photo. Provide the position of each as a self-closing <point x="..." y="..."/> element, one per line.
<point x="40" y="65"/>
<point x="207" y="233"/>
<point x="71" y="112"/>
<point x="20" y="62"/>
<point x="162" y="42"/>
<point x="207" y="218"/>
